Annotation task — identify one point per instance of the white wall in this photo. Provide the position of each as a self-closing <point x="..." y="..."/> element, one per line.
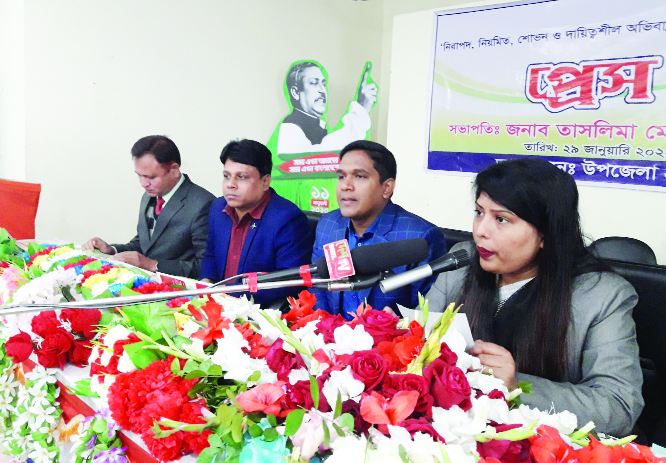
<point x="446" y="199"/>
<point x="12" y="91"/>
<point x="99" y="75"/>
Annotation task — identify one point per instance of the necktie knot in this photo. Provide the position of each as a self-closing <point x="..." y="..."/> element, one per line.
<point x="159" y="205"/>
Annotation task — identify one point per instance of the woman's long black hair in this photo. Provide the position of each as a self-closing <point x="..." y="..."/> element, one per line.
<point x="546" y="197"/>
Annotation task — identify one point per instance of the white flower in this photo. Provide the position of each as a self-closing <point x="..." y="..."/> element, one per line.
<point x="5" y="405"/>
<point x="40" y="377"/>
<point x="43" y="415"/>
<point x="237" y="308"/>
<point x="265" y="328"/>
<point x="22" y="396"/>
<point x="45" y="289"/>
<point x="116" y="333"/>
<point x="8" y="384"/>
<point x="100" y="385"/>
<point x="457" y="344"/>
<point x="348" y="449"/>
<point x="196" y="349"/>
<point x="457" y="426"/>
<point x="491" y="409"/>
<point x="343" y="383"/>
<point x="486" y="383"/>
<point x="348" y="341"/>
<point x="125" y="364"/>
<point x="189" y="328"/>
<point x="239" y="366"/>
<point x="99" y="287"/>
<point x="565" y="422"/>
<point x="39" y="396"/>
<point x="42" y="455"/>
<point x="298" y="375"/>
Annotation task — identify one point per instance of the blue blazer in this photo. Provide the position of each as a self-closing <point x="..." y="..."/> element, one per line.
<point x="280" y="239"/>
<point x="393" y="224"/>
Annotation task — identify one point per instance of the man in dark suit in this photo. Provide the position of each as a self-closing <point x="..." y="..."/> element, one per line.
<point x="173" y="217"/>
<point x="366" y="180"/>
<point x="252" y="228"/>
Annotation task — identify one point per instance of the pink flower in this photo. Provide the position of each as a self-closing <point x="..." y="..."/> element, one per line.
<point x="262" y="398"/>
<point x="377" y="409"/>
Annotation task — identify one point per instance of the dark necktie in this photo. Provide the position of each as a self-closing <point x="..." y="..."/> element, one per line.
<point x="159" y="205"/>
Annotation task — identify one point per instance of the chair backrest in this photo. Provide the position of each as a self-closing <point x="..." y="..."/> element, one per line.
<point x="649" y="281"/>
<point x="624" y="249"/>
<point x="452" y="236"/>
<point x="18" y="202"/>
<point x="313" y="220"/>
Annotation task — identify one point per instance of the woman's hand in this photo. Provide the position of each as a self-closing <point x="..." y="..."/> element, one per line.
<point x="497" y="359"/>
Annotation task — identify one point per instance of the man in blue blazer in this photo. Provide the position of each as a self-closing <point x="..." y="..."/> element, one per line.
<point x="252" y="228"/>
<point x="366" y="180"/>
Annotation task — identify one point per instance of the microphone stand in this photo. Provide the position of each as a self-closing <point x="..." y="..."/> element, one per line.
<point x="109" y="303"/>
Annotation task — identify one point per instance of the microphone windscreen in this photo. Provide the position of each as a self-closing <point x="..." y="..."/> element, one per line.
<point x="322" y="268"/>
<point x="384" y="256"/>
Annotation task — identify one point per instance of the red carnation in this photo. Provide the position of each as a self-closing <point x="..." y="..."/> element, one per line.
<point x="54" y="349"/>
<point x="83" y="321"/>
<point x="297" y="396"/>
<point x="19" y="347"/>
<point x="448" y="385"/>
<point x="45" y="323"/>
<point x="79" y="353"/>
<point x="370" y="367"/>
<point x="282" y="362"/>
<point x="327" y="326"/>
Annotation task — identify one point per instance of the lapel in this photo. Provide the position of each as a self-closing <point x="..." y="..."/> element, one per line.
<point x="144" y="236"/>
<point x="251" y="233"/>
<point x="175" y="204"/>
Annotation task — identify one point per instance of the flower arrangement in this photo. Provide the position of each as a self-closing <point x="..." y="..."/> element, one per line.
<point x="218" y="376"/>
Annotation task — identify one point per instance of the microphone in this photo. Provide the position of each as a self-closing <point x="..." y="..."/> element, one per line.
<point x="446" y="263"/>
<point x="369" y="259"/>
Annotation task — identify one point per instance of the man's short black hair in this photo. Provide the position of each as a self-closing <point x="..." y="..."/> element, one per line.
<point x="249" y="152"/>
<point x="164" y="150"/>
<point x="382" y="159"/>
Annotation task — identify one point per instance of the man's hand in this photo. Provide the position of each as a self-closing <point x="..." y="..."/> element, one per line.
<point x="367" y="92"/>
<point x="497" y="359"/>
<point x="137" y="259"/>
<point x="98" y="243"/>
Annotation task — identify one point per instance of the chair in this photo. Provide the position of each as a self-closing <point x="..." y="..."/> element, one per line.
<point x="452" y="236"/>
<point x="313" y="220"/>
<point x="649" y="281"/>
<point x="19" y="202"/>
<point x="624" y="249"/>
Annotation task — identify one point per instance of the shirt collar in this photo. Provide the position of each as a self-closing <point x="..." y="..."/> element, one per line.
<point x="370" y="230"/>
<point x="171" y="192"/>
<point x="256" y="212"/>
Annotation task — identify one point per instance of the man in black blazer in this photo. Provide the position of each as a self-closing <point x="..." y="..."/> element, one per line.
<point x="173" y="217"/>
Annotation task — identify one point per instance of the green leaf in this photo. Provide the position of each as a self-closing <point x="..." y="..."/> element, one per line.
<point x="237" y="428"/>
<point x="82" y="388"/>
<point x="226" y="413"/>
<point x="205" y="365"/>
<point x="314" y="391"/>
<point x="272" y="420"/>
<point x="195" y="374"/>
<point x="347" y="421"/>
<point x="293" y="422"/>
<point x="403" y="454"/>
<point x="175" y="367"/>
<point x="338" y="406"/>
<point x="327" y="435"/>
<point x="338" y="430"/>
<point x="215" y="370"/>
<point x="190" y="365"/>
<point x="255" y="431"/>
<point x="141" y="357"/>
<point x="207" y="455"/>
<point x="270" y="434"/>
<point x="254" y="377"/>
<point x="125" y="291"/>
<point x="215" y="441"/>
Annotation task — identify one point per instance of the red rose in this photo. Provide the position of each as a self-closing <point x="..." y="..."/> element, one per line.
<point x="327" y="326"/>
<point x="448" y="355"/>
<point x="448" y="385"/>
<point x="370" y="367"/>
<point x="414" y="425"/>
<point x="505" y="450"/>
<point x="80" y="352"/>
<point x="298" y="396"/>
<point x="354" y="409"/>
<point x="83" y="321"/>
<point x="282" y="362"/>
<point x="380" y="325"/>
<point x="19" y="347"/>
<point x="45" y="323"/>
<point x="411" y="382"/>
<point x="54" y="349"/>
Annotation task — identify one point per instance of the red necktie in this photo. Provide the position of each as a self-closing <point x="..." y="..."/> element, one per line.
<point x="159" y="205"/>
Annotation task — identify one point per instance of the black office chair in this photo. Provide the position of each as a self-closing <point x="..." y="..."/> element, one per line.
<point x="452" y="236"/>
<point x="649" y="281"/>
<point x="624" y="249"/>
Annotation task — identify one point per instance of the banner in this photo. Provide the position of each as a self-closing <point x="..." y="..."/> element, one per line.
<point x="305" y="151"/>
<point x="579" y="83"/>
